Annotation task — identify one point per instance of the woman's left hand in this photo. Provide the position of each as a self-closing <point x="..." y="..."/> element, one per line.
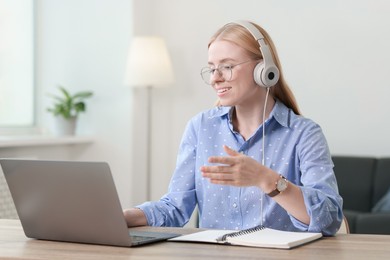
<point x="235" y="169"/>
<point x="240" y="170"/>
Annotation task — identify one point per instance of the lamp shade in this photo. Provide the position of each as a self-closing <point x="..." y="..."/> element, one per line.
<point x="148" y="63"/>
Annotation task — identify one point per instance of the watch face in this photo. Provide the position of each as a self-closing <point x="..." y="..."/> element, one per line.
<point x="282" y="184"/>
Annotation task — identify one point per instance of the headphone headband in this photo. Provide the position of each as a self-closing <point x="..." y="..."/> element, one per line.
<point x="265" y="74"/>
<point x="252" y="29"/>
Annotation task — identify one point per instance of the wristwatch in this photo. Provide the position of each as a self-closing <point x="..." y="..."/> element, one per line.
<point x="280" y="186"/>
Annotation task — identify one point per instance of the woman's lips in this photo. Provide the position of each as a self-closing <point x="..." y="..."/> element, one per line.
<point x="222" y="91"/>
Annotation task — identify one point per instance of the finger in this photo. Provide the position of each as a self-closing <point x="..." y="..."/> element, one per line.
<point x="224" y="182"/>
<point x="230" y="151"/>
<point x="221" y="159"/>
<point x="230" y="182"/>
<point x="218" y="176"/>
<point x="215" y="169"/>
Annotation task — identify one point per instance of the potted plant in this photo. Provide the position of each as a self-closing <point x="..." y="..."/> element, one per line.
<point x="66" y="109"/>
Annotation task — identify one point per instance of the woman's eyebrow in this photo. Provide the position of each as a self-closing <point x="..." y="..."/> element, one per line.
<point x="222" y="61"/>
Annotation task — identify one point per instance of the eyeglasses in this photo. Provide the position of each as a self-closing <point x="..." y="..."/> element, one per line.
<point x="224" y="70"/>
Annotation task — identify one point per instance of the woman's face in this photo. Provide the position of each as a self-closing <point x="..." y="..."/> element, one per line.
<point x="241" y="88"/>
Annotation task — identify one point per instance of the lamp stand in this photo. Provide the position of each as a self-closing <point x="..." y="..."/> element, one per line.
<point x="148" y="143"/>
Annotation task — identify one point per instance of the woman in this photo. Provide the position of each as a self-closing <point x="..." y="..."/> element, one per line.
<point x="253" y="159"/>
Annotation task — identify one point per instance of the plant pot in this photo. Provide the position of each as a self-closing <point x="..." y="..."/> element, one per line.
<point x="64" y="126"/>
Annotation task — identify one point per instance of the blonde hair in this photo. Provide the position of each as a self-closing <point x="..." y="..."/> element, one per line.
<point x="239" y="35"/>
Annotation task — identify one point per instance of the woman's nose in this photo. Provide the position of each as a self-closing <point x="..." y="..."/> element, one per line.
<point x="216" y="77"/>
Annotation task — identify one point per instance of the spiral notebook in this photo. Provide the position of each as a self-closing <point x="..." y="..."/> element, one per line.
<point x="258" y="236"/>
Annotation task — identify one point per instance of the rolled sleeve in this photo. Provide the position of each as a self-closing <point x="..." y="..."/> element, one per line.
<point x="319" y="185"/>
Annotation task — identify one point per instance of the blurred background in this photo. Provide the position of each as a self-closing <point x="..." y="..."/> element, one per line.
<point x="334" y="56"/>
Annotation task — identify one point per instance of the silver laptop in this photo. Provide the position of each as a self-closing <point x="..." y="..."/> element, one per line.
<point x="71" y="201"/>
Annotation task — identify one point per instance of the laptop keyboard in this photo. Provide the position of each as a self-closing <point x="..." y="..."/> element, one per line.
<point x="135" y="238"/>
<point x="143" y="237"/>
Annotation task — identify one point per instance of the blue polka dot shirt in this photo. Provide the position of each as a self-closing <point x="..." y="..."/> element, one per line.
<point x="294" y="147"/>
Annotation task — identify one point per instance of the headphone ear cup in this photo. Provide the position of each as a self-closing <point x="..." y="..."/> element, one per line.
<point x="265" y="77"/>
<point x="257" y="72"/>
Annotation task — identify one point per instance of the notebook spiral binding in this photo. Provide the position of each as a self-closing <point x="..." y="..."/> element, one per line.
<point x="241" y="232"/>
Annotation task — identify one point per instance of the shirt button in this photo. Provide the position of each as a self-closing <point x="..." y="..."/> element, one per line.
<point x="234" y="205"/>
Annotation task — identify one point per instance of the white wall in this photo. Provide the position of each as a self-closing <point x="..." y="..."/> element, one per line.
<point x="82" y="44"/>
<point x="334" y="55"/>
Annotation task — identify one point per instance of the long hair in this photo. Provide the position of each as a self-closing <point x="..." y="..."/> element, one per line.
<point x="239" y="35"/>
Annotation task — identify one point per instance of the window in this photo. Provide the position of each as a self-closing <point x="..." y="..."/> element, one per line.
<point x="16" y="64"/>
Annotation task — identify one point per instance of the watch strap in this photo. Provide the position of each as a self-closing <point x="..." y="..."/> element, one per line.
<point x="273" y="193"/>
<point x="276" y="191"/>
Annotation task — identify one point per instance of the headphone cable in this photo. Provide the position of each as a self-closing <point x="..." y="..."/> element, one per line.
<point x="263" y="153"/>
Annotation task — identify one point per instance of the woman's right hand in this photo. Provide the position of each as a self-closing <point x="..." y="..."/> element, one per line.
<point x="135" y="217"/>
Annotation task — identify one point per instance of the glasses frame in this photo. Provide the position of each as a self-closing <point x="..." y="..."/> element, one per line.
<point x="207" y="73"/>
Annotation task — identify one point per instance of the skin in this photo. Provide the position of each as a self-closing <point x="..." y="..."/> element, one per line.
<point x="238" y="169"/>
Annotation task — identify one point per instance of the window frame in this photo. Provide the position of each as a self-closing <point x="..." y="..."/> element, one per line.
<point x="28" y="128"/>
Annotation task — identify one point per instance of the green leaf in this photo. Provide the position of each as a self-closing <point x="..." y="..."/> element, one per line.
<point x="68" y="105"/>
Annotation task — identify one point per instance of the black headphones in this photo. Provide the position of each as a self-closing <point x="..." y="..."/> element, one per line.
<point x="265" y="74"/>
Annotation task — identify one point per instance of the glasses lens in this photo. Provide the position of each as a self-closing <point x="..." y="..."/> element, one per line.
<point x="206" y="75"/>
<point x="226" y="72"/>
<point x="223" y="71"/>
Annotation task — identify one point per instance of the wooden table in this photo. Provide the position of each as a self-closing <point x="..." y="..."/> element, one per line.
<point x="15" y="245"/>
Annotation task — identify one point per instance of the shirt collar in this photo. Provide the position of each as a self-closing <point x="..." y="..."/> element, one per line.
<point x="220" y="111"/>
<point x="280" y="112"/>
